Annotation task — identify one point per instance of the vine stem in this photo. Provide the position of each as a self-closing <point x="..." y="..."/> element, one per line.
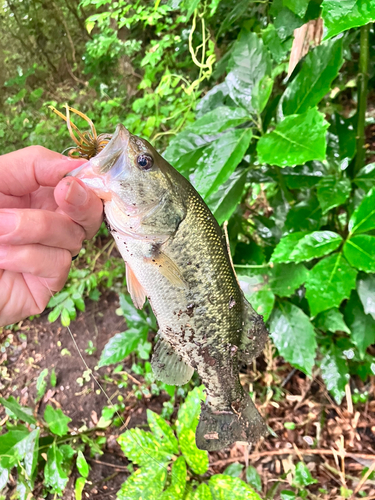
<point x="362" y="97"/>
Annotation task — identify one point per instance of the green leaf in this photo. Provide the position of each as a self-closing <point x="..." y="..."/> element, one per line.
<point x="307" y="247"/>
<point x="339" y="16"/>
<point x="143" y="448"/>
<point x="333" y="192"/>
<point x="363" y="218"/>
<point x="319" y="68"/>
<point x="12" y="447"/>
<point x="277" y="48"/>
<point x="219" y="160"/>
<point x="329" y="283"/>
<point x="57" y="421"/>
<point x="121" y="345"/>
<point x="55" y="477"/>
<point x="192" y="4"/>
<point x="134" y="317"/>
<point x="261" y="93"/>
<point x="253" y="478"/>
<point x="162" y="431"/>
<point x="224" y="201"/>
<point x="258" y="293"/>
<point x="305" y="215"/>
<point x="41" y="384"/>
<point x="361" y="325"/>
<point x="335" y="373"/>
<point x="302" y="476"/>
<point x="287" y="495"/>
<point x="53" y="378"/>
<point x="366" y="292"/>
<point x="331" y="321"/>
<point x="284" y="279"/>
<point x="23" y="413"/>
<point x="225" y="487"/>
<point x="366" y="177"/>
<point x="294" y="336"/>
<point x="360" y="252"/>
<point x="78" y="488"/>
<point x="299" y="7"/>
<point x="295" y="140"/>
<point x="234" y="470"/>
<point x="250" y="62"/>
<point x="219" y="120"/>
<point x="82" y="465"/>
<point x="146" y="483"/>
<point x="196" y="459"/>
<point x="178" y="484"/>
<point x="202" y="492"/>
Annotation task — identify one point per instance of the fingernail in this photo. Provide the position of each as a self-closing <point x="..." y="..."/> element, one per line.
<point x="8" y="223"/>
<point x="76" y="194"/>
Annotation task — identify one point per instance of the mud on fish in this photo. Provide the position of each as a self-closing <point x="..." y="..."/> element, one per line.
<point x="176" y="256"/>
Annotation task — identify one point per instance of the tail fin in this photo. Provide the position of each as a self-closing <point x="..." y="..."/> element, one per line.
<point x="217" y="430"/>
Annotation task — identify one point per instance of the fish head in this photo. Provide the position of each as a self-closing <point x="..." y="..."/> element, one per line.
<point x="135" y="184"/>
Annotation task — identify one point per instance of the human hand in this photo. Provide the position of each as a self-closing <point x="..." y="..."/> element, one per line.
<point x="44" y="219"/>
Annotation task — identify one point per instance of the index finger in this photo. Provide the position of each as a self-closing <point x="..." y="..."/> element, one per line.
<point x="27" y="169"/>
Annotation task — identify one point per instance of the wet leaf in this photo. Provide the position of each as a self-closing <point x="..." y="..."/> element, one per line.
<point x="162" y="431"/>
<point x="146" y="483"/>
<point x="361" y="325"/>
<point x="304" y="216"/>
<point x="302" y="476"/>
<point x="224" y="487"/>
<point x="331" y="321"/>
<point x="335" y="372"/>
<point x="333" y="192"/>
<point x="288" y="145"/>
<point x="56" y="420"/>
<point x="329" y="283"/>
<point x="299" y="7"/>
<point x="219" y="120"/>
<point x="284" y="279"/>
<point x="253" y="478"/>
<point x="366" y="292"/>
<point x="261" y="93"/>
<point x="17" y="411"/>
<point x="294" y="336"/>
<point x="234" y="470"/>
<point x="360" y="252"/>
<point x="176" y="490"/>
<point x="82" y="465"/>
<point x="363" y="218"/>
<point x="55" y="477"/>
<point x="319" y="68"/>
<point x="366" y="177"/>
<point x="121" y="345"/>
<point x="258" y="293"/>
<point x="143" y="448"/>
<point x="345" y="14"/>
<point x="134" y="317"/>
<point x="306" y="247"/>
<point x="224" y="201"/>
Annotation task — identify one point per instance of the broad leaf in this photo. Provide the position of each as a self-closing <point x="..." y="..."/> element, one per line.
<point x="363" y="218"/>
<point x="295" y="140"/>
<point x="366" y="292"/>
<point x="335" y="373"/>
<point x="146" y="483"/>
<point x="366" y="177"/>
<point x="55" y="478"/>
<point x="143" y="448"/>
<point x="219" y="160"/>
<point x="17" y="411"/>
<point x="56" y="420"/>
<point x="329" y="283"/>
<point x="284" y="279"/>
<point x="82" y="465"/>
<point x="134" y="317"/>
<point x="202" y="492"/>
<point x="339" y="16"/>
<point x="224" y="201"/>
<point x="331" y="321"/>
<point x="225" y="487"/>
<point x="299" y="7"/>
<point x="253" y="478"/>
<point x="304" y="216"/>
<point x="78" y="487"/>
<point x="219" y="120"/>
<point x="196" y="459"/>
<point x="41" y="384"/>
<point x="190" y="409"/>
<point x="249" y="63"/>
<point x="261" y="93"/>
<point x="307" y="247"/>
<point x="176" y="490"/>
<point x="294" y="336"/>
<point x="333" y="192"/>
<point x="121" y="345"/>
<point x="302" y="476"/>
<point x="162" y="431"/>
<point x="361" y="325"/>
<point x="258" y="293"/>
<point x="360" y="252"/>
<point x="20" y="446"/>
<point x="320" y="67"/>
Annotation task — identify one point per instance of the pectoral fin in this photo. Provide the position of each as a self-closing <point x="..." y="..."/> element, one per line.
<point x="168" y="366"/>
<point x="168" y="268"/>
<point x="135" y="289"/>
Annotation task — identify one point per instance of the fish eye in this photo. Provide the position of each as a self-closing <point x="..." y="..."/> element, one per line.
<point x="145" y="161"/>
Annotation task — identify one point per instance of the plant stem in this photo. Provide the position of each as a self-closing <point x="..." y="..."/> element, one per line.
<point x="362" y="97"/>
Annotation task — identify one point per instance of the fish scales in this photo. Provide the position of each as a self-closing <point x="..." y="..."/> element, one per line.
<point x="176" y="255"/>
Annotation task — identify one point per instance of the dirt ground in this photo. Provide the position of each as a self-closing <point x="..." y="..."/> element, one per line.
<point x="336" y="443"/>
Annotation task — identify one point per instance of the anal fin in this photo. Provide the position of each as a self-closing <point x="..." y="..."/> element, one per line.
<point x="168" y="366"/>
<point x="168" y="268"/>
<point x="254" y="334"/>
<point x="135" y="289"/>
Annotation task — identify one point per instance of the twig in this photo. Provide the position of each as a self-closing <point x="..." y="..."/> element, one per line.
<point x="290" y="451"/>
<point x="363" y="480"/>
<point x="107" y="464"/>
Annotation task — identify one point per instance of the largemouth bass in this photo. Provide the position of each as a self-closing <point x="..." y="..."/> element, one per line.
<point x="176" y="256"/>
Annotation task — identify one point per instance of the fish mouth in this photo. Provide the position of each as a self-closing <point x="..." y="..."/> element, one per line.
<point x="107" y="165"/>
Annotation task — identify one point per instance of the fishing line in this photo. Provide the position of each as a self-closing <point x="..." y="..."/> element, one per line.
<point x="89" y="371"/>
